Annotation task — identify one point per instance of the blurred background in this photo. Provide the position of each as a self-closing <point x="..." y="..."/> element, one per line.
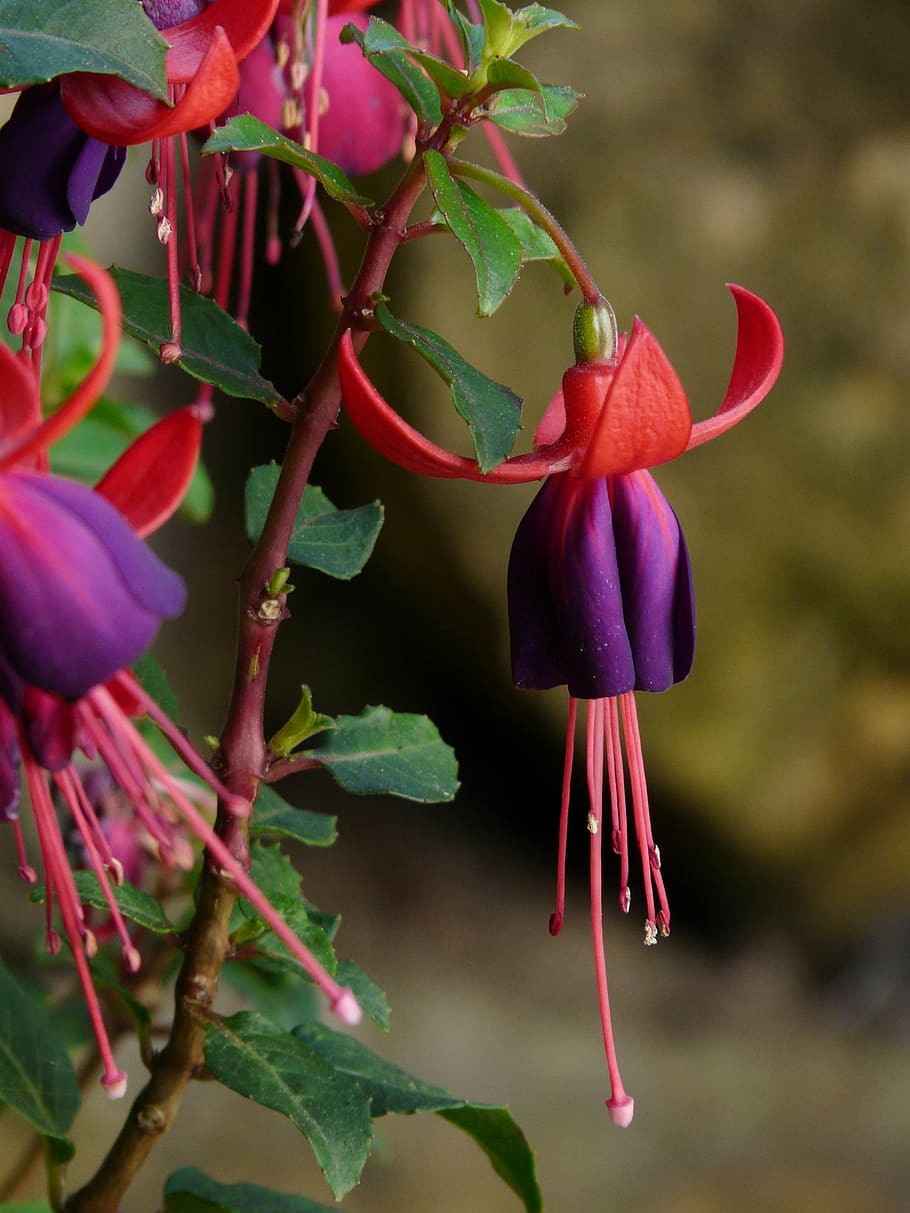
<point x="766" y="1042"/>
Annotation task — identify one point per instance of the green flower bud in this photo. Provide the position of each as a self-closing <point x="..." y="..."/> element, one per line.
<point x="595" y="332"/>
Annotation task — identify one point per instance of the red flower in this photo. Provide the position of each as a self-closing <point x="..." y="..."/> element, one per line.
<point x="600" y="590"/>
<point x="201" y="71"/>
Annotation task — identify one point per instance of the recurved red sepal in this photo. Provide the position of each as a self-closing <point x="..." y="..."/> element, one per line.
<point x="109" y="109"/>
<point x="756" y="365"/>
<point x="151" y="477"/>
<point x="388" y="432"/>
<point x="645" y="419"/>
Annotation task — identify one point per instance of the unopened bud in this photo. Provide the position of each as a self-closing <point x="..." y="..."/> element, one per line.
<point x="595" y="332"/>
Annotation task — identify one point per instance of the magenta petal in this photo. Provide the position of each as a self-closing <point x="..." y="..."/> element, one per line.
<point x="363" y="126"/>
<point x="565" y="596"/>
<point x="80" y="595"/>
<point x="657" y="594"/>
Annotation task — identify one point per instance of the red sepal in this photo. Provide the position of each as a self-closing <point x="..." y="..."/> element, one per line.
<point x="400" y="443"/>
<point x="151" y="477"/>
<point x="645" y="418"/>
<point x="756" y="366"/>
<point x="109" y="109"/>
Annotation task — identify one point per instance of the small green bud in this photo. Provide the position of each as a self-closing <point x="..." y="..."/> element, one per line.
<point x="277" y="583"/>
<point x="595" y="332"/>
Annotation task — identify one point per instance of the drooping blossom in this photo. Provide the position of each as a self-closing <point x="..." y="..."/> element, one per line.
<point x="600" y="589"/>
<point x="80" y="597"/>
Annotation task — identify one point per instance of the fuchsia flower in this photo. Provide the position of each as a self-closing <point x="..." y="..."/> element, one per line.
<point x="206" y="45"/>
<point x="80" y="597"/>
<point x="600" y="589"/>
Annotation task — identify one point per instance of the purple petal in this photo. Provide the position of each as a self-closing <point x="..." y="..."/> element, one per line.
<point x="50" y="170"/>
<point x="565" y="597"/>
<point x="164" y="14"/>
<point x="80" y="595"/>
<point x="533" y="623"/>
<point x="657" y="593"/>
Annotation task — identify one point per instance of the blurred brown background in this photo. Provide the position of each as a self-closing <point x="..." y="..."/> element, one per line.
<point x="766" y="1042"/>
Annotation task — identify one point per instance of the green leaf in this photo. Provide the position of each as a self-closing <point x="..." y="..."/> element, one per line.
<point x="275" y="991"/>
<point x="154" y="682"/>
<point x="536" y="245"/>
<point x="191" y="1191"/>
<point x="503" y="1142"/>
<point x="449" y="80"/>
<point x="273" y="815"/>
<point x="40" y="41"/>
<point x="492" y="410"/>
<point x="389" y="1088"/>
<point x="248" y="134"/>
<point x="369" y="995"/>
<point x="497" y="21"/>
<point x="506" y="74"/>
<point x="534" y="19"/>
<point x="390" y="753"/>
<point x="472" y="36"/>
<point x="532" y="114"/>
<point x="26" y="1206"/>
<point x="263" y="1062"/>
<point x="36" y="1075"/>
<point x="388" y="52"/>
<point x="215" y="348"/>
<point x="133" y="903"/>
<point x="488" y="240"/>
<point x="337" y="542"/>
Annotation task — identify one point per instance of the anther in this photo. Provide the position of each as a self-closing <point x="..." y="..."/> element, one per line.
<point x="556" y="921"/>
<point x="654" y="856"/>
<point x="164" y="231"/>
<point x="625" y="900"/>
<point x="156" y="203"/>
<point x="616" y="839"/>
<point x="592" y="824"/>
<point x="650" y="934"/>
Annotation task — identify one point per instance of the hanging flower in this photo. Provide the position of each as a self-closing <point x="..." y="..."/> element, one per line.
<point x="600" y="587"/>
<point x="80" y="597"/>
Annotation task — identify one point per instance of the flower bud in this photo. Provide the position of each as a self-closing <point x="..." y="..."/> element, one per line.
<point x="595" y="332"/>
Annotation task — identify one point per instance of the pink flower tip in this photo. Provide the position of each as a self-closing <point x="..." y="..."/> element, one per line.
<point x="621" y="1110"/>
<point x="27" y="873"/>
<point x="114" y="1084"/>
<point x="346" y="1007"/>
<point x="556" y="921"/>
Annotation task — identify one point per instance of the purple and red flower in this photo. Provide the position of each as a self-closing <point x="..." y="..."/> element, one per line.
<point x="81" y="596"/>
<point x="600" y="586"/>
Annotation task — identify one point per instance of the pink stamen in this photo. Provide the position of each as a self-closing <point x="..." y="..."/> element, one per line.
<point x="339" y="997"/>
<point x="558" y="916"/>
<point x="57" y="869"/>
<point x="650" y="860"/>
<point x="620" y="838"/>
<point x="192" y="255"/>
<point x="76" y="800"/>
<point x="250" y="196"/>
<point x="619" y="1105"/>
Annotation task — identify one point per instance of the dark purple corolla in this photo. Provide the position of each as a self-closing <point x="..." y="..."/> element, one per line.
<point x="50" y="171"/>
<point x="600" y="589"/>
<point x="80" y="595"/>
